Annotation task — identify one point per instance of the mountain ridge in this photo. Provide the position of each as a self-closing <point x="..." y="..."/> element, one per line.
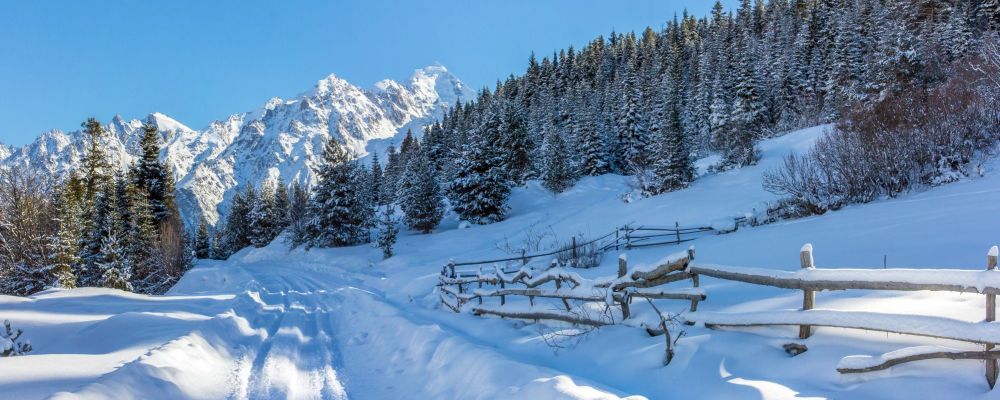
<point x="282" y="138"/>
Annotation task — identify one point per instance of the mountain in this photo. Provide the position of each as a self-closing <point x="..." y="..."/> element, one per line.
<point x="283" y="138"/>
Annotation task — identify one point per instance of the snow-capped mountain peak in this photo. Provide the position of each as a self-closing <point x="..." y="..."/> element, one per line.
<point x="282" y="138"/>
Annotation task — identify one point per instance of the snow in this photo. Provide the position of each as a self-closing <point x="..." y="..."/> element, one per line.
<point x="860" y="362"/>
<point x="921" y="325"/>
<point x="335" y="323"/>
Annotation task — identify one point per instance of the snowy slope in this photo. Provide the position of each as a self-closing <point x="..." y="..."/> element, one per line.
<point x="342" y="323"/>
<point x="282" y="138"/>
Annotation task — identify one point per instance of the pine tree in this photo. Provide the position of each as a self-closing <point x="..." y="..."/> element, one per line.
<point x="387" y="231"/>
<point x="155" y="177"/>
<point x="298" y="215"/>
<point x="66" y="243"/>
<point x="632" y="135"/>
<point x="591" y="159"/>
<point x="116" y="266"/>
<point x="390" y="177"/>
<point x="339" y="214"/>
<point x="237" y="234"/>
<point x="480" y="188"/>
<point x="203" y="242"/>
<point x="262" y="223"/>
<point x="420" y="197"/>
<point x="514" y="142"/>
<point x="378" y="197"/>
<point x="557" y="175"/>
<point x="141" y="237"/>
<point x="280" y="211"/>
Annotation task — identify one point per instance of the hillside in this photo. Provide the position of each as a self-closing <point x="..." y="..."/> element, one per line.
<point x="339" y="323"/>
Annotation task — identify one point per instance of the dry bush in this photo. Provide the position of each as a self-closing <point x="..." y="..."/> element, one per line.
<point x="911" y="137"/>
<point x="27" y="222"/>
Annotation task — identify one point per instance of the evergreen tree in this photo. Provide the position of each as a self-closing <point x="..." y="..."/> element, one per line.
<point x="387" y="231"/>
<point x="238" y="233"/>
<point x="262" y="223"/>
<point x="298" y="215"/>
<point x="420" y="196"/>
<point x="378" y="195"/>
<point x="339" y="216"/>
<point x="480" y="189"/>
<point x="155" y="177"/>
<point x="558" y="175"/>
<point x="203" y="242"/>
<point x="280" y="211"/>
<point x="66" y="243"/>
<point x="116" y="266"/>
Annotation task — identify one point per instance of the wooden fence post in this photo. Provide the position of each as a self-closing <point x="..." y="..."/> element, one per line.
<point x="480" y="278"/>
<point x="992" y="368"/>
<point x="622" y="270"/>
<point x="677" y="226"/>
<point x="574" y="251"/>
<point x="808" y="296"/>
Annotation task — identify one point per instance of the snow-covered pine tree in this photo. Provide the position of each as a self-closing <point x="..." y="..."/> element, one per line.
<point x="237" y="234"/>
<point x="514" y="142"/>
<point x="279" y="213"/>
<point x="219" y="250"/>
<point x="154" y="177"/>
<point x="202" y="242"/>
<point x="420" y="196"/>
<point x="116" y="265"/>
<point x="390" y="177"/>
<point x="339" y="214"/>
<point x="298" y="215"/>
<point x="557" y="174"/>
<point x="480" y="188"/>
<point x="377" y="175"/>
<point x="387" y="231"/>
<point x="262" y="214"/>
<point x="65" y="244"/>
<point x="633" y="137"/>
<point x="141" y="239"/>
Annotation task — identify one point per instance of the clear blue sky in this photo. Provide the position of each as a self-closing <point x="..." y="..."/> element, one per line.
<point x="197" y="61"/>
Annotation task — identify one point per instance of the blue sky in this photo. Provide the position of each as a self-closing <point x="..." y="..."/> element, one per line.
<point x="197" y="61"/>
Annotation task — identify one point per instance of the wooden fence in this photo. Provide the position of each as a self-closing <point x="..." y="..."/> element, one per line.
<point x="624" y="238"/>
<point x="811" y="280"/>
<point x="571" y="290"/>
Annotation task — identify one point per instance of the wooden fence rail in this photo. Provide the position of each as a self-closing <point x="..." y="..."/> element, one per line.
<point x="810" y="280"/>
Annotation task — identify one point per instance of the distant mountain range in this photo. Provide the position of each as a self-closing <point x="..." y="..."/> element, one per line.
<point x="282" y="138"/>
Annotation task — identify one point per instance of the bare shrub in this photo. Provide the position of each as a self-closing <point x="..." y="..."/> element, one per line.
<point x="911" y="137"/>
<point x="27" y="223"/>
<point x="585" y="255"/>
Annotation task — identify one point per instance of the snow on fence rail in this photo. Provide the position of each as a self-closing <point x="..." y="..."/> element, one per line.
<point x="810" y="280"/>
<point x="455" y="291"/>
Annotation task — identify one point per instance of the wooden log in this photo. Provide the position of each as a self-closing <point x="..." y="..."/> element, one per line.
<point x="564" y="301"/>
<point x="992" y="368"/>
<point x="749" y="276"/>
<point x="950" y="355"/>
<point x="538" y="315"/>
<point x="446" y="303"/>
<point x="808" y="296"/>
<point x="549" y="294"/>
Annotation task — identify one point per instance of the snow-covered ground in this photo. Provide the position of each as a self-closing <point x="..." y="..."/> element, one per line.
<point x="342" y="323"/>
